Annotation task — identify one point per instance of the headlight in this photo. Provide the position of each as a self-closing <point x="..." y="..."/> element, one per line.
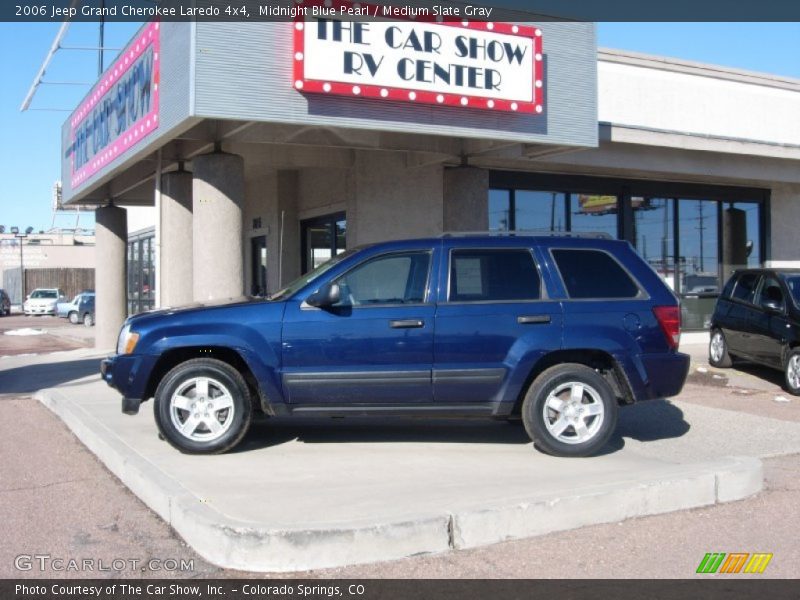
<point x="127" y="340"/>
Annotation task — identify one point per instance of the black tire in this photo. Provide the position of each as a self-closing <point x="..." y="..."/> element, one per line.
<point x="73" y="318"/>
<point x="595" y="392"/>
<point x="791" y="373"/>
<point x="220" y="376"/>
<point x="88" y="320"/>
<point x="718" y="355"/>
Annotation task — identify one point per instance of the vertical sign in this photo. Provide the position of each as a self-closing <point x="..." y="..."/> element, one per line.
<point x="120" y="111"/>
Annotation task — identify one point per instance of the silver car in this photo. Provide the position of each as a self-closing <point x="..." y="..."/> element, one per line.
<point x="42" y="301"/>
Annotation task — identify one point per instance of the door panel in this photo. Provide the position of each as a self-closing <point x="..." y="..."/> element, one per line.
<point x="490" y="320"/>
<point x="373" y="347"/>
<point x="769" y="330"/>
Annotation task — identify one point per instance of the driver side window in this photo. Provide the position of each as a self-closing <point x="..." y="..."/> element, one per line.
<point x="771" y="292"/>
<point x="398" y="278"/>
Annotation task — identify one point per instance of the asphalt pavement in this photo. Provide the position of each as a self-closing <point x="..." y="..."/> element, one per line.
<point x="60" y="500"/>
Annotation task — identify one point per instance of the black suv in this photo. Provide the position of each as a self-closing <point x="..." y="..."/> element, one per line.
<point x="757" y="319"/>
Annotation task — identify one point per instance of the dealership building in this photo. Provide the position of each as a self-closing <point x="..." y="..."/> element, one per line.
<point x="266" y="148"/>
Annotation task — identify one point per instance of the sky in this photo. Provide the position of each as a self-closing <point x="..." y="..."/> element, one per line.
<point x="29" y="163"/>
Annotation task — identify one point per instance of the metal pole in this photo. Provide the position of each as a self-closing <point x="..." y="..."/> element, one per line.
<point x="101" y="45"/>
<point x="21" y="276"/>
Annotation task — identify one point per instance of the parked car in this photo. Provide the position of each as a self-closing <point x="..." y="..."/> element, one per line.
<point x="557" y="331"/>
<point x="43" y="301"/>
<point x="5" y="303"/>
<point x="65" y="309"/>
<point x="72" y="310"/>
<point x="757" y="319"/>
<point x="85" y="312"/>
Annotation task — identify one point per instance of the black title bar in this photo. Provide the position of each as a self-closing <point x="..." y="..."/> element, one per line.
<point x="275" y="10"/>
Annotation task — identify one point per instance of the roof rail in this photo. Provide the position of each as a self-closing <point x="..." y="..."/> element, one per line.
<point x="530" y="233"/>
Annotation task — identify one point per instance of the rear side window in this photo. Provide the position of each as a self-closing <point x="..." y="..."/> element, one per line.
<point x="493" y="275"/>
<point x="745" y="287"/>
<point x="593" y="274"/>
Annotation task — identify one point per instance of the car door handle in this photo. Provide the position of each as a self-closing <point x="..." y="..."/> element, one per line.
<point x="533" y="319"/>
<point x="406" y="323"/>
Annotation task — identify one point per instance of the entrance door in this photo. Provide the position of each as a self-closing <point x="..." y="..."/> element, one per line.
<point x="258" y="265"/>
<point x="322" y="238"/>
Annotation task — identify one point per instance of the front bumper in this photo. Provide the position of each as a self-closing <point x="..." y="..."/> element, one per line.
<point x="129" y="375"/>
<point x="39" y="310"/>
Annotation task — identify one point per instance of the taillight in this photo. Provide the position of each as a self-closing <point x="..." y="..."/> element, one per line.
<point x="669" y="317"/>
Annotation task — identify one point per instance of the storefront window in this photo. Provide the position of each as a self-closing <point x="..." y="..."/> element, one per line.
<point x="698" y="274"/>
<point x="593" y="213"/>
<point x="499" y="210"/>
<point x="654" y="234"/>
<point x="540" y="211"/>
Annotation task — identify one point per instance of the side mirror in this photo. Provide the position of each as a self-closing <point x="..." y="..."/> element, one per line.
<point x="772" y="306"/>
<point x="327" y="295"/>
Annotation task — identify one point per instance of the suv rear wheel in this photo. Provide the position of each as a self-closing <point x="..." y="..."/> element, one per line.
<point x="203" y="406"/>
<point x="570" y="410"/>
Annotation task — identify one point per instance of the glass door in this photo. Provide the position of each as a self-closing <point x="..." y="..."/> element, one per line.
<point x="322" y="238"/>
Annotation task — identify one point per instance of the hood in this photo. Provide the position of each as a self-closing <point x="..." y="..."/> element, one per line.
<point x="187" y="309"/>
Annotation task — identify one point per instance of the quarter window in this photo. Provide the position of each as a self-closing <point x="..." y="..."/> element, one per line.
<point x="390" y="279"/>
<point x="593" y="274"/>
<point x="493" y="275"/>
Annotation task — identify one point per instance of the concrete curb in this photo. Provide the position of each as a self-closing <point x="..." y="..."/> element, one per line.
<point x="256" y="546"/>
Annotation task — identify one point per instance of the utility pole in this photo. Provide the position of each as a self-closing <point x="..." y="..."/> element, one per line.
<point x="101" y="43"/>
<point x="701" y="227"/>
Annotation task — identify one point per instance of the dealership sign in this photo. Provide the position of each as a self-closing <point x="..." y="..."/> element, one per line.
<point x="430" y="60"/>
<point x="120" y="111"/>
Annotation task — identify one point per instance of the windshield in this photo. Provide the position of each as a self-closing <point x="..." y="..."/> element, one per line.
<point x="44" y="294"/>
<point x="303" y="280"/>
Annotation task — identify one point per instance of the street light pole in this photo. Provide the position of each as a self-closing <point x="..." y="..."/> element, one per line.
<point x="20" y="237"/>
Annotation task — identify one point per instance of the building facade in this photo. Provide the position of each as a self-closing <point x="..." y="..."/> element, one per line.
<point x="264" y="158"/>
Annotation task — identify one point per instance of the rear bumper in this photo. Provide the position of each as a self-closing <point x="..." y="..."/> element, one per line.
<point x="654" y="376"/>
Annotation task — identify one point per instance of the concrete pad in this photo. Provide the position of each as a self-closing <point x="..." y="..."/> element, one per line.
<point x="310" y="493"/>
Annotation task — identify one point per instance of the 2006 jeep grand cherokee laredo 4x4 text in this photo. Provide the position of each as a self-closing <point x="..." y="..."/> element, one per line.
<point x="557" y="330"/>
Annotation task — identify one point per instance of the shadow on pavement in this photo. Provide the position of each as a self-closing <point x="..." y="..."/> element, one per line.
<point x="650" y="421"/>
<point x="646" y="421"/>
<point x="772" y="376"/>
<point x="31" y="378"/>
<point x="309" y="430"/>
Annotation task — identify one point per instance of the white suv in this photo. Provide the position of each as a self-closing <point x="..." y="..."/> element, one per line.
<point x="42" y="301"/>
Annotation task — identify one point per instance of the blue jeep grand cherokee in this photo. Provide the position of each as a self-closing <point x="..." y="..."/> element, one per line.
<point x="558" y="331"/>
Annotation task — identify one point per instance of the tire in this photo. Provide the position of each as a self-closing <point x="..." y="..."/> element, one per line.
<point x="225" y="386"/>
<point x="791" y="373"/>
<point x="718" y="355"/>
<point x="551" y="403"/>
<point x="73" y="317"/>
<point x="88" y="320"/>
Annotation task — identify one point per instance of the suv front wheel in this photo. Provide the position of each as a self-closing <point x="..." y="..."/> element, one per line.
<point x="570" y="410"/>
<point x="203" y="406"/>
